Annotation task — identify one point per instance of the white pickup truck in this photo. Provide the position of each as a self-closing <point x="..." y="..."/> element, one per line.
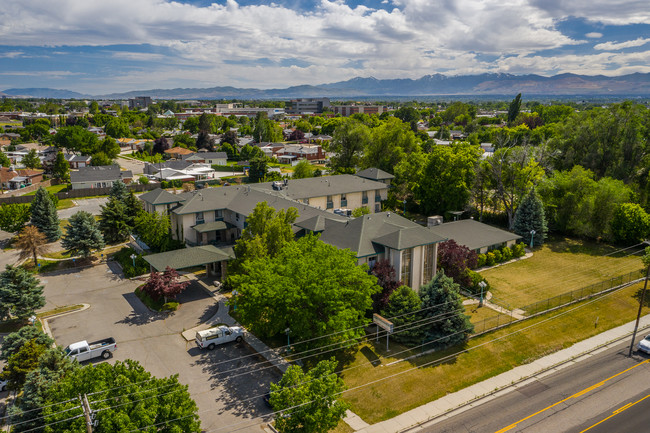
<point x="83" y="351"/>
<point x="219" y="335"/>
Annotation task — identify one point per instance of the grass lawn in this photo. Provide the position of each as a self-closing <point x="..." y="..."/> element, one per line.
<point x="448" y="371"/>
<point x="485" y="318"/>
<point x="65" y="203"/>
<point x="53" y="189"/>
<point x="560" y="266"/>
<point x="58" y="310"/>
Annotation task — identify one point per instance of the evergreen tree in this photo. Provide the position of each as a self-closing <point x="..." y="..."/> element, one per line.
<point x="119" y="191"/>
<point x="16" y="340"/>
<point x="443" y="305"/>
<point x="401" y="302"/>
<point x="20" y="293"/>
<point x="82" y="235"/>
<point x="61" y="168"/>
<point x="44" y="215"/>
<point x="530" y="216"/>
<point x="133" y="208"/>
<point x="513" y="109"/>
<point x="113" y="221"/>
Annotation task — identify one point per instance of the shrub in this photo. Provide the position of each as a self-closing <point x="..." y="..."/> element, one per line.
<point x="498" y="257"/>
<point x="518" y="250"/>
<point x="489" y="259"/>
<point x="123" y="257"/>
<point x="506" y="252"/>
<point x="475" y="279"/>
<point x="170" y="306"/>
<point x="480" y="261"/>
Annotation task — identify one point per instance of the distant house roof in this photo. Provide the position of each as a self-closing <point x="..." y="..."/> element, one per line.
<point x="205" y="155"/>
<point x="189" y="257"/>
<point x="70" y="157"/>
<point x="177" y="164"/>
<point x="375" y="174"/>
<point x="179" y="151"/>
<point x="101" y="173"/>
<point x="6" y="174"/>
<point x="321" y="186"/>
<point x="369" y="234"/>
<point x="473" y="234"/>
<point x="161" y="196"/>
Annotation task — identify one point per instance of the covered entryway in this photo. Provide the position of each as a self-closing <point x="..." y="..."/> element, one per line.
<point x="214" y="259"/>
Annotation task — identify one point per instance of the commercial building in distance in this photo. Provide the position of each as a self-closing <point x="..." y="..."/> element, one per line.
<point x="307" y="105"/>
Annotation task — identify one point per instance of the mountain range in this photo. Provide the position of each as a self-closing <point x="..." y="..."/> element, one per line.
<point x="636" y="84"/>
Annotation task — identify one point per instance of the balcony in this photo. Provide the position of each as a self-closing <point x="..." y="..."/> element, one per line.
<point x="330" y="205"/>
<point x="199" y="221"/>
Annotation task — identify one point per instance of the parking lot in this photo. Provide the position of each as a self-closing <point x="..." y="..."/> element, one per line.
<point x="154" y="340"/>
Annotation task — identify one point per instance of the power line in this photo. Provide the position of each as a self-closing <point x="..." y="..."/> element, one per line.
<point x="37" y="408"/>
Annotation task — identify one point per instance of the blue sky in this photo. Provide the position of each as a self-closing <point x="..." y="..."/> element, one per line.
<point x="102" y="46"/>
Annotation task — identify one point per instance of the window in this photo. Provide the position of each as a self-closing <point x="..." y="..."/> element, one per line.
<point x="377" y="195"/>
<point x="364" y="197"/>
<point x="199" y="218"/>
<point x="218" y="215"/>
<point x="372" y="261"/>
<point x="406" y="266"/>
<point x="330" y="203"/>
<point x="429" y="262"/>
<point x="344" y="200"/>
<point x="236" y="216"/>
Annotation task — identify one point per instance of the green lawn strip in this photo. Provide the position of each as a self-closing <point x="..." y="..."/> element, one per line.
<point x="65" y="203"/>
<point x="58" y="310"/>
<point x="391" y="397"/>
<point x="53" y="189"/>
<point x="57" y="255"/>
<point x="560" y="266"/>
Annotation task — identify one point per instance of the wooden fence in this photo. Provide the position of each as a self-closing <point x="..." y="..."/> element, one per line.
<point x="75" y="193"/>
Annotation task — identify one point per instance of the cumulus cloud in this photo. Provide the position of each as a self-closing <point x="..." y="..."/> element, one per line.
<point x="620" y="45"/>
<point x="594" y="35"/>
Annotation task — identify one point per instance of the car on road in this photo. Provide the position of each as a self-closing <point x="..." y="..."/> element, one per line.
<point x="644" y="345"/>
<point x="210" y="338"/>
<point x="83" y="351"/>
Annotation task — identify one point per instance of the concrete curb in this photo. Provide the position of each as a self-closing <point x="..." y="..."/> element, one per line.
<point x="46" y="326"/>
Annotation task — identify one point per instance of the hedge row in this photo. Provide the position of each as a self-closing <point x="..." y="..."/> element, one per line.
<point x="502" y="255"/>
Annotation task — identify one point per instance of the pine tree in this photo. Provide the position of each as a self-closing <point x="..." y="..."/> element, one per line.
<point x="513" y="109"/>
<point x="44" y="215"/>
<point x="443" y="305"/>
<point x="401" y="302"/>
<point x="119" y="191"/>
<point x="82" y="235"/>
<point x="114" y="222"/>
<point x="31" y="160"/>
<point x="530" y="216"/>
<point x="133" y="208"/>
<point x="20" y="293"/>
<point x="61" y="168"/>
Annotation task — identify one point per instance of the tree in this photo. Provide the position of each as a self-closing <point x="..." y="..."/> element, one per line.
<point x="513" y="109"/>
<point x="404" y="308"/>
<point x="113" y="221"/>
<point x="164" y="285"/>
<point x="82" y="235"/>
<point x="31" y="160"/>
<point x="4" y="159"/>
<point x="296" y="135"/>
<point x="31" y="242"/>
<point x="161" y="144"/>
<point x="204" y="141"/>
<point x="44" y="216"/>
<point x="229" y="137"/>
<point x="119" y="191"/>
<point x="100" y="159"/>
<point x="21" y="363"/>
<point x="308" y="402"/>
<point x="117" y="128"/>
<point x="443" y="305"/>
<point x="391" y="142"/>
<point x="14" y="341"/>
<point x="456" y="260"/>
<point x="20" y="293"/>
<point x="350" y="140"/>
<point x="407" y="114"/>
<point x="61" y="168"/>
<point x="303" y="170"/>
<point x="133" y="395"/>
<point x="387" y="280"/>
<point x="312" y="288"/>
<point x="110" y="148"/>
<point x="93" y="108"/>
<point x="630" y="223"/>
<point x="258" y="169"/>
<point x="447" y="178"/>
<point x="76" y="139"/>
<point x="530" y="216"/>
<point x="153" y="230"/>
<point x="360" y="211"/>
<point x="13" y="217"/>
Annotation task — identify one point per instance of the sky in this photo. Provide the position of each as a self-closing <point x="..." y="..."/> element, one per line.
<point x="102" y="46"/>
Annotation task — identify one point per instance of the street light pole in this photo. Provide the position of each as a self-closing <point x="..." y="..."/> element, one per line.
<point x="638" y="314"/>
<point x="532" y="235"/>
<point x="482" y="285"/>
<point x="133" y="256"/>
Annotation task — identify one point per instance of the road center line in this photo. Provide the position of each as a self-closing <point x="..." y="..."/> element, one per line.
<point x="576" y="395"/>
<point x="616" y="412"/>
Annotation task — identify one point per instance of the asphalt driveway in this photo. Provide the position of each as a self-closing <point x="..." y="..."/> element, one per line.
<point x="154" y="340"/>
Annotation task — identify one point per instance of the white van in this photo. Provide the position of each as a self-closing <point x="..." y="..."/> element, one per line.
<point x="219" y="335"/>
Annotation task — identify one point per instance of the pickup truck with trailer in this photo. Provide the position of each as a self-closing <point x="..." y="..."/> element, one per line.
<point x="210" y="338"/>
<point x="83" y="351"/>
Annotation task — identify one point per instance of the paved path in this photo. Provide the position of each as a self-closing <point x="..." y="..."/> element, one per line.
<point x="516" y="313"/>
<point x="478" y="393"/>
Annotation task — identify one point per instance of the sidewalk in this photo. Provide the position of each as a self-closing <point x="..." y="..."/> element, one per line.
<point x="479" y="393"/>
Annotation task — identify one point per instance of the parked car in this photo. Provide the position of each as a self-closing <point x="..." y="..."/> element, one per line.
<point x="644" y="345"/>
<point x="3" y="385"/>
<point x="210" y="338"/>
<point x="83" y="351"/>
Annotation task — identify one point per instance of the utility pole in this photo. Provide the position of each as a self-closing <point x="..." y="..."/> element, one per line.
<point x="641" y="302"/>
<point x="87" y="413"/>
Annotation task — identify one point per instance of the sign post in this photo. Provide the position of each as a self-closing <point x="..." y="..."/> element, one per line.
<point x="385" y="324"/>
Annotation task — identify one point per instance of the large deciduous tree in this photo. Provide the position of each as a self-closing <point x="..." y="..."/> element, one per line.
<point x="630" y="223"/>
<point x="13" y="217"/>
<point x="31" y="160"/>
<point x="82" y="235"/>
<point x="61" y="168"/>
<point x="390" y="143"/>
<point x="20" y="293"/>
<point x="456" y="260"/>
<point x="308" y="402"/>
<point x="153" y="230"/>
<point x="44" y="216"/>
<point x="350" y="140"/>
<point x="530" y="217"/>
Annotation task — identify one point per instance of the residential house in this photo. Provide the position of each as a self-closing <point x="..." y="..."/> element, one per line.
<point x="99" y="176"/>
<point x="376" y="175"/>
<point x="44" y="153"/>
<point x="6" y="174"/>
<point x="210" y="158"/>
<point x="475" y="235"/>
<point x="178" y="152"/>
<point x="186" y="171"/>
<point x="295" y="152"/>
<point x="77" y="161"/>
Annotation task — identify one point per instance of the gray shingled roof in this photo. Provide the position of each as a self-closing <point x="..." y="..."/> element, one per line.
<point x="212" y="226"/>
<point x="206" y="155"/>
<point x="375" y="174"/>
<point x="473" y="234"/>
<point x="189" y="257"/>
<point x="367" y="235"/>
<point x="100" y="173"/>
<point x="161" y="196"/>
<point x="313" y="224"/>
<point x="322" y="186"/>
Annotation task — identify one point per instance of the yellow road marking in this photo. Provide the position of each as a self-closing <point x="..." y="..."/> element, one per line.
<point x="576" y="395"/>
<point x="616" y="412"/>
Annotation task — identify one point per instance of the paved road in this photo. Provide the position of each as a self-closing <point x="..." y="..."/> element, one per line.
<point x="92" y="205"/>
<point x="135" y="166"/>
<point x="155" y="341"/>
<point x="570" y="400"/>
